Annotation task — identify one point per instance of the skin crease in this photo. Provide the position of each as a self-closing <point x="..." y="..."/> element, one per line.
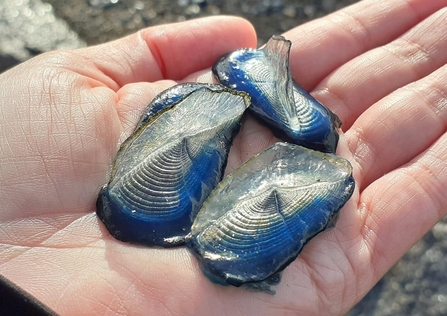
<point x="381" y="67"/>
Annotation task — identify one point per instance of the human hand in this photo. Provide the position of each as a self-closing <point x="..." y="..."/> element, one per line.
<point x="63" y="116"/>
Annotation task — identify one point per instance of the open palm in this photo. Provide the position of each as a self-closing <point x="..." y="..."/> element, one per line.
<point x="379" y="67"/>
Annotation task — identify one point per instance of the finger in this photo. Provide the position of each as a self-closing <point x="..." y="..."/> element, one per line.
<point x="399" y="127"/>
<point x="403" y="205"/>
<point x="358" y="84"/>
<point x="170" y="51"/>
<point x="325" y="44"/>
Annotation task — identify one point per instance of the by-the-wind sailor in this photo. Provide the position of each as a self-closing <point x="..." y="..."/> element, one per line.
<point x="259" y="217"/>
<point x="168" y="167"/>
<point x="276" y="98"/>
<point x="171" y="96"/>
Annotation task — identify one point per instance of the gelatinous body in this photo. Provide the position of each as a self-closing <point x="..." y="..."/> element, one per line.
<point x="276" y="98"/>
<point x="171" y="96"/>
<point x="259" y="217"/>
<point x="167" y="168"/>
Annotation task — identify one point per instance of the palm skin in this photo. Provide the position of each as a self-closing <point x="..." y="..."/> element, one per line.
<point x="379" y="67"/>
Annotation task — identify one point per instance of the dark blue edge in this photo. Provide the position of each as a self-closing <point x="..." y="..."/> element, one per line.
<point x="118" y="223"/>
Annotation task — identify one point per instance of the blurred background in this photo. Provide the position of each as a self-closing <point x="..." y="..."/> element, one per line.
<point x="416" y="285"/>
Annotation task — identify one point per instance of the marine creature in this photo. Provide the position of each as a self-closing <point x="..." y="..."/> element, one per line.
<point x="258" y="218"/>
<point x="277" y="99"/>
<point x="166" y="169"/>
<point x="248" y="229"/>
